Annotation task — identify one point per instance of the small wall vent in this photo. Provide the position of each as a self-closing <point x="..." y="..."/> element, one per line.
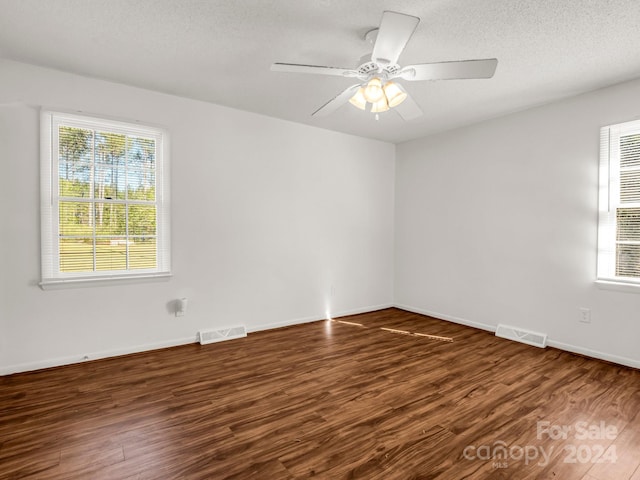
<point x="220" y="334"/>
<point x="521" y="335"/>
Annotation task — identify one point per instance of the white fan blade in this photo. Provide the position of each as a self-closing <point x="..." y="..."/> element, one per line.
<point x="317" y="69"/>
<point x="484" y="68"/>
<point x="408" y="109"/>
<point x="394" y="33"/>
<point x="336" y="102"/>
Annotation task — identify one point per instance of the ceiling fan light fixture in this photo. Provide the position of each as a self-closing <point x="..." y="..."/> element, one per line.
<point x="359" y="100"/>
<point x="380" y="106"/>
<point x="395" y="94"/>
<point x="373" y="91"/>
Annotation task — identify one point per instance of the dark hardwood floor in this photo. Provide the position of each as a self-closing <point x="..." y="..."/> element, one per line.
<point x="330" y="400"/>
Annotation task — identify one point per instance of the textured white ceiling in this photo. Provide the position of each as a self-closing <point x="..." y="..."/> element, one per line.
<point x="220" y="51"/>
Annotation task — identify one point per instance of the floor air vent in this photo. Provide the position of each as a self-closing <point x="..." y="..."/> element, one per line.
<point x="521" y="335"/>
<point x="220" y="334"/>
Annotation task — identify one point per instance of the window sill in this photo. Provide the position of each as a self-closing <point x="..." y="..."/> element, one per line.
<point x="80" y="282"/>
<point x="618" y="286"/>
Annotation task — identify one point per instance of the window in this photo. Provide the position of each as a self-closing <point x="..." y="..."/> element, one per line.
<point x="619" y="222"/>
<point x="104" y="200"/>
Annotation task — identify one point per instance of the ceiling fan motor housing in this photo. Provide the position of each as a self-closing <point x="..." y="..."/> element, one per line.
<point x="370" y="69"/>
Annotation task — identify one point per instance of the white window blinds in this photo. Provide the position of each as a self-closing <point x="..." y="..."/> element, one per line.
<point x="619" y="222"/>
<point x="105" y="211"/>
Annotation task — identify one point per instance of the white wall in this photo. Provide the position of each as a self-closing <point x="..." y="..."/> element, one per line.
<point x="497" y="223"/>
<point x="494" y="223"/>
<point x="267" y="217"/>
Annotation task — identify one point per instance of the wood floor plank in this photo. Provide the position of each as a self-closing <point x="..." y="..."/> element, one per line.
<point x="360" y="397"/>
<point x="625" y="449"/>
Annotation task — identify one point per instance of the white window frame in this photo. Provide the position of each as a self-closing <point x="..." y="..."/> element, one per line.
<point x="51" y="276"/>
<point x="609" y="201"/>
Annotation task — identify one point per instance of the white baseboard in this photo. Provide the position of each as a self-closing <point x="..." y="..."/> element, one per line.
<point x="56" y="362"/>
<point x="629" y="362"/>
<point x="60" y="361"/>
<point x="358" y="311"/>
<point x="449" y="318"/>
<point x="285" y="323"/>
<point x="317" y="318"/>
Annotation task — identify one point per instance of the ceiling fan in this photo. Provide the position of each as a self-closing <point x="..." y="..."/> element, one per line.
<point x="377" y="72"/>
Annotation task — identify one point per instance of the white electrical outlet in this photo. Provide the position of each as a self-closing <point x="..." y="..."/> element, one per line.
<point x="585" y="315"/>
